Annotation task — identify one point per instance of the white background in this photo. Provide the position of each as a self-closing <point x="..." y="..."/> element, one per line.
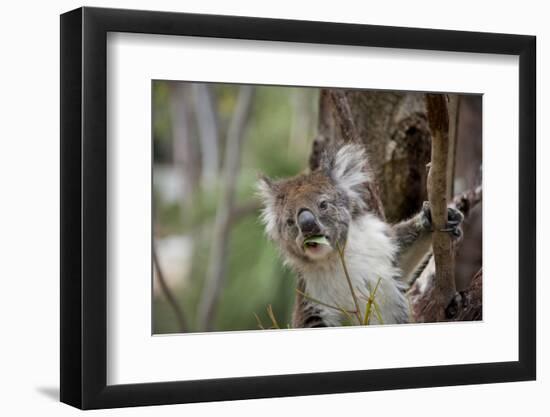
<point x="30" y="208"/>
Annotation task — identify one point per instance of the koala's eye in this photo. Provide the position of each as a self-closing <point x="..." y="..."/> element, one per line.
<point x="323" y="205"/>
<point x="290" y="222"/>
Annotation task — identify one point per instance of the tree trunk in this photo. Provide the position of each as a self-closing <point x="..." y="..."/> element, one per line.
<point x="394" y="129"/>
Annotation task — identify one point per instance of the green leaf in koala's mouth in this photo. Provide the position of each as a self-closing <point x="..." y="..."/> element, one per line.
<point x="313" y="241"/>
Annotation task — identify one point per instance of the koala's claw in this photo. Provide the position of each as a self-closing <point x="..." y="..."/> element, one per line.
<point x="454" y="219"/>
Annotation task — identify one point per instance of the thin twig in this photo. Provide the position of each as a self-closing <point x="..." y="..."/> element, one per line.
<point x="348" y="279"/>
<point x="178" y="312"/>
<point x="370" y="302"/>
<point x="260" y="324"/>
<point x="377" y="311"/>
<point x="271" y="316"/>
<point x="310" y="298"/>
<point x="337" y="308"/>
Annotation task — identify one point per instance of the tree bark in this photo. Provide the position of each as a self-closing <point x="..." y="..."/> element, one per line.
<point x="421" y="293"/>
<point x="393" y="127"/>
<point x="471" y="307"/>
<point x="438" y="186"/>
<point x="454" y="114"/>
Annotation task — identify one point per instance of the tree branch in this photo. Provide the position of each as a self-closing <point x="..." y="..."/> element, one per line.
<point x="186" y="149"/>
<point x="178" y="312"/>
<point x="445" y="287"/>
<point x="207" y="129"/>
<point x="454" y="111"/>
<point x="220" y="238"/>
<point x="422" y="290"/>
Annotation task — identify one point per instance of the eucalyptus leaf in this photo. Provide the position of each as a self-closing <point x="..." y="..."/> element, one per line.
<point x="320" y="240"/>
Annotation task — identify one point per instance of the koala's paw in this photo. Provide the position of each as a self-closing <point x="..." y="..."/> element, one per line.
<point x="454" y="220"/>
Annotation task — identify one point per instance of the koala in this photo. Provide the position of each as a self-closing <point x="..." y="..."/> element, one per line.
<point x="330" y="203"/>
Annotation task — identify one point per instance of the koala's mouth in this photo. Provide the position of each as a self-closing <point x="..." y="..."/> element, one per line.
<point x="315" y="242"/>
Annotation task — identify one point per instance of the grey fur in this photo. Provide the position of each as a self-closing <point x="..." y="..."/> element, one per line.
<point x="334" y="194"/>
<point x="414" y="238"/>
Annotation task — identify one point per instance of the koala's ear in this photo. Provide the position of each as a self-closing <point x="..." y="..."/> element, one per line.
<point x="267" y="191"/>
<point x="347" y="166"/>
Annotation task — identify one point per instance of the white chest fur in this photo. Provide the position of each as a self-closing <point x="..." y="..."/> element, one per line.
<point x="369" y="257"/>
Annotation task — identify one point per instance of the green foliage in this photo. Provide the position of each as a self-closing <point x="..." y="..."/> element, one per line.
<point x="269" y="133"/>
<point x="263" y="282"/>
<point x="255" y="277"/>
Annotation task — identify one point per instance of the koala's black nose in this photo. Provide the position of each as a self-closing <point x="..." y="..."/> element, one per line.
<point x="307" y="222"/>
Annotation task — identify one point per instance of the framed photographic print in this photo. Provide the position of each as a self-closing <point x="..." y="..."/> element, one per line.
<point x="257" y="208"/>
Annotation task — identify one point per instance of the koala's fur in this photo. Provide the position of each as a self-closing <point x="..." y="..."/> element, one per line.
<point x="334" y="194"/>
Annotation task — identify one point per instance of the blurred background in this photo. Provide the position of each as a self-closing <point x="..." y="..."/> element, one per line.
<point x="214" y="269"/>
<point x="211" y="140"/>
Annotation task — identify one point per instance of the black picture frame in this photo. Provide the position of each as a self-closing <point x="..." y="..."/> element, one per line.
<point x="84" y="207"/>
